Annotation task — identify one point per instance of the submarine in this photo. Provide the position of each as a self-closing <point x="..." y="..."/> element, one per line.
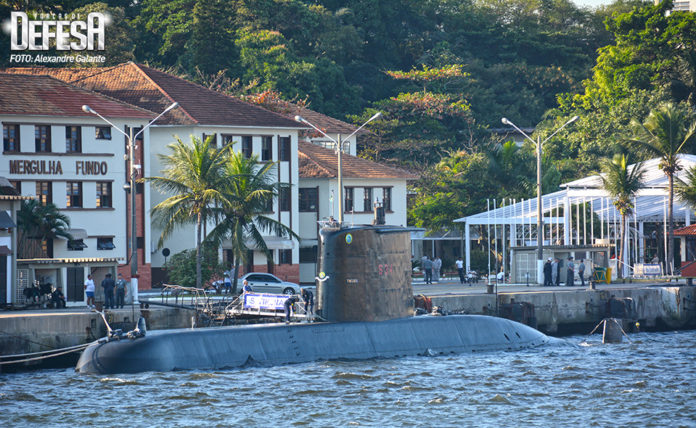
<point x="364" y="299"/>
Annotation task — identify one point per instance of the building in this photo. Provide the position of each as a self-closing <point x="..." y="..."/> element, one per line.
<point x="57" y="153"/>
<point x="201" y="113"/>
<point x="10" y="201"/>
<point x="365" y="183"/>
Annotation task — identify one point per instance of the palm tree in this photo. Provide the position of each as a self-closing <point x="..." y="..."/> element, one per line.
<point x="686" y="190"/>
<point x="193" y="175"/>
<point x="666" y="133"/>
<point x="249" y="188"/>
<point x="622" y="183"/>
<point x="38" y="223"/>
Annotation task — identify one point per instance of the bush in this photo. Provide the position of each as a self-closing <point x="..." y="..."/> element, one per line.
<point x="182" y="266"/>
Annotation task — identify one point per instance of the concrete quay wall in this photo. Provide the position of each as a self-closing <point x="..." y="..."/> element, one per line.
<point x="37" y="331"/>
<point x="579" y="310"/>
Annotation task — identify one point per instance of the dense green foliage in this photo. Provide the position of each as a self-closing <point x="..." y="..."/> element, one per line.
<point x="443" y="72"/>
<point x="181" y="267"/>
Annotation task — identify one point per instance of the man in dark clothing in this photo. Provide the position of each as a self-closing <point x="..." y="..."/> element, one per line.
<point x="547" y="273"/>
<point x="581" y="272"/>
<point x="570" y="276"/>
<point x="288" y="304"/>
<point x="108" y="284"/>
<point x="308" y="298"/>
<point x="427" y="270"/>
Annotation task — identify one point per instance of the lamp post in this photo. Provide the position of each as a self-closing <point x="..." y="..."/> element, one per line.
<point x="339" y="148"/>
<point x="540" y="219"/>
<point x="133" y="173"/>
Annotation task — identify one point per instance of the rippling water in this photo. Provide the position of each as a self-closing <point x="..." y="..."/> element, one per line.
<point x="648" y="382"/>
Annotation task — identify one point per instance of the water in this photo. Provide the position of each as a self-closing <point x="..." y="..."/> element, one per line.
<point x="649" y="382"/>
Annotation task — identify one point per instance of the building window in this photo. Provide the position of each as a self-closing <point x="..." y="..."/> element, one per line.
<point x="47" y="248"/>
<point x="284" y="198"/>
<point x="102" y="132"/>
<point x="247" y="146"/>
<point x="42" y="138"/>
<point x="387" y="198"/>
<point x="367" y="199"/>
<point x="269" y="205"/>
<point x="139" y="242"/>
<point x="73" y="139"/>
<point x="74" y="194"/>
<point x="284" y="147"/>
<point x="10" y="138"/>
<point x="17" y="185"/>
<point x="44" y="192"/>
<point x="308" y="199"/>
<point x="267" y="148"/>
<point x="348" y="199"/>
<point x="284" y="257"/>
<point x="105" y="244"/>
<point x="213" y="141"/>
<point x="76" y="245"/>
<point x="104" y="194"/>
<point x="227" y="139"/>
<point x="308" y="254"/>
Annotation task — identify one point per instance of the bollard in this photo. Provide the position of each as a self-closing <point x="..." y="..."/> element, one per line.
<point x="612" y="331"/>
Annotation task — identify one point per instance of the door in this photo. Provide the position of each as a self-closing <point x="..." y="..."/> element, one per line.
<point x="75" y="285"/>
<point x="3" y="280"/>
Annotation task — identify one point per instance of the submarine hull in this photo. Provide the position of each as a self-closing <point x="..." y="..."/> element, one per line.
<point x="276" y="344"/>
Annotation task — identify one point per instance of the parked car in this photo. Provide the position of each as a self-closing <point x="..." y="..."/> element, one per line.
<point x="267" y="283"/>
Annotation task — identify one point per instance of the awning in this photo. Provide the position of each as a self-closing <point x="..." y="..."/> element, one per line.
<point x="5" y="221"/>
<point x="77" y="233"/>
<point x="5" y="250"/>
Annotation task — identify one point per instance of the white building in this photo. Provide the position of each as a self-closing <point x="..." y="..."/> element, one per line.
<point x="54" y="151"/>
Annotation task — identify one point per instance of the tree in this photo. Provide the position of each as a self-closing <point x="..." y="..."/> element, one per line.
<point x="686" y="190"/>
<point x="182" y="266"/>
<point x="193" y="175"/>
<point x="622" y="184"/>
<point x="666" y="133"/>
<point x="247" y="193"/>
<point x="38" y="223"/>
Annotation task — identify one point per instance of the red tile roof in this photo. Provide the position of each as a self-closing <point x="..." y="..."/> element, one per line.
<point x="689" y="230"/>
<point x="46" y="96"/>
<point x="155" y="90"/>
<point x="318" y="162"/>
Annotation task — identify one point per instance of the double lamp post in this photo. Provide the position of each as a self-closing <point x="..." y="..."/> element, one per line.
<point x="131" y="186"/>
<point x="540" y="219"/>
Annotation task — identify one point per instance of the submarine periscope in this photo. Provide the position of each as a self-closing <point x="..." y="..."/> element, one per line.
<point x="365" y="299"/>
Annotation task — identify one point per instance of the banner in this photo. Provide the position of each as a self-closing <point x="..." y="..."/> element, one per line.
<point x="265" y="301"/>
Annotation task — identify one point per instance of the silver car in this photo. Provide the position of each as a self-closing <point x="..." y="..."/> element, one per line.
<point x="268" y="283"/>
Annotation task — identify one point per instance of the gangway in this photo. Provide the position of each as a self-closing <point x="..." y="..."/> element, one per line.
<point x="266" y="305"/>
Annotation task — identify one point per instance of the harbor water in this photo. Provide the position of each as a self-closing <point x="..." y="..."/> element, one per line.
<point x="649" y="381"/>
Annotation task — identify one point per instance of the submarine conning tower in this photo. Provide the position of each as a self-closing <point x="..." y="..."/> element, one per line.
<point x="366" y="272"/>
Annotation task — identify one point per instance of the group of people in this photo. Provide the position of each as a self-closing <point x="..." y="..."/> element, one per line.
<point x="431" y="269"/>
<point x="307" y="298"/>
<point x="552" y="272"/>
<point x="109" y="286"/>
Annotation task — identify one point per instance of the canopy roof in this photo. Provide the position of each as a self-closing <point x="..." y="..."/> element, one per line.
<point x="650" y="203"/>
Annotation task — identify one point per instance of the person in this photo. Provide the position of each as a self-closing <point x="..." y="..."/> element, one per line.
<point x="228" y="284"/>
<point x="555" y="270"/>
<point x="89" y="291"/>
<point x="308" y="298"/>
<point x="570" y="275"/>
<point x="108" y="284"/>
<point x="120" y="291"/>
<point x="288" y="305"/>
<point x="57" y="299"/>
<point x="427" y="270"/>
<point x="437" y="265"/>
<point x="460" y="269"/>
<point x="547" y="273"/>
<point x="581" y="272"/>
<point x="246" y="288"/>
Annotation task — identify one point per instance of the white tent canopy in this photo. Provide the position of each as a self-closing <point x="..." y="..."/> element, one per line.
<point x="558" y="208"/>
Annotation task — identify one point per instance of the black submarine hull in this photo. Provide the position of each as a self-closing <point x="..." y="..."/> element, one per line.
<point x="276" y="344"/>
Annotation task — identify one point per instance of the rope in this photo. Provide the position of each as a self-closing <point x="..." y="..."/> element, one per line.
<point x="41" y="352"/>
<point x="26" y="360"/>
<point x="622" y="330"/>
<point x="593" y="330"/>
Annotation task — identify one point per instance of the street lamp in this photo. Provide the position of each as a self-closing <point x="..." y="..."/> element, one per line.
<point x="340" y="150"/>
<point x="540" y="220"/>
<point x="133" y="173"/>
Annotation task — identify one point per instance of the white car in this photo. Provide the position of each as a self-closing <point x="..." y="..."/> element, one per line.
<point x="267" y="283"/>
